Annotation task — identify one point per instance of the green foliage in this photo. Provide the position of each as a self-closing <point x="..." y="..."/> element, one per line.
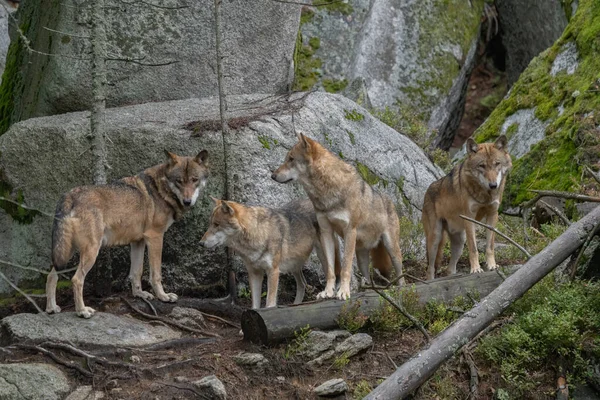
<point x="351" y="318"/>
<point x="244" y="293"/>
<point x="361" y="389"/>
<point x="528" y="238"/>
<point x="369" y="176"/>
<point x="442" y="159"/>
<point x="265" y="142"/>
<point x="298" y="344"/>
<point x="307" y="67"/>
<point x="407" y="122"/>
<point x="353" y="115"/>
<point x="352" y="137"/>
<point x="341" y="361"/>
<point x="387" y="319"/>
<point x="551" y="320"/>
<point x="334" y="85"/>
<point x="410" y="237"/>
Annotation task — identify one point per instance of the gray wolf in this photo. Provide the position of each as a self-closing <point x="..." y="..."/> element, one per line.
<point x="268" y="240"/>
<point x="345" y="204"/>
<point x="135" y="210"/>
<point x="473" y="188"/>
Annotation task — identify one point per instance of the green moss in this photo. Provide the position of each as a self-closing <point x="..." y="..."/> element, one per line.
<point x="334" y="85"/>
<point x="306" y="15"/>
<point x="341" y="155"/>
<point x="552" y="164"/>
<point x="306" y="66"/>
<point x="406" y="121"/>
<point x="369" y="176"/>
<point x="265" y="142"/>
<point x="314" y="43"/>
<point x="336" y="7"/>
<point x="351" y="136"/>
<point x="511" y="130"/>
<point x="11" y="80"/>
<point x="353" y="115"/>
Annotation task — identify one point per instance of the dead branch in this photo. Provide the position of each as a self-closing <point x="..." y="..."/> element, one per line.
<point x="26" y="207"/>
<point x="66" y="33"/>
<point x="592" y="174"/>
<point x="150" y="305"/>
<point x="473" y="374"/>
<point x="499" y="233"/>
<point x="32" y="301"/>
<point x="308" y="4"/>
<point x="169" y="321"/>
<point x="223" y="320"/>
<point x="89" y="357"/>
<point x="556" y="212"/>
<point x="57" y="359"/>
<point x="573" y="271"/>
<point x="561" y="195"/>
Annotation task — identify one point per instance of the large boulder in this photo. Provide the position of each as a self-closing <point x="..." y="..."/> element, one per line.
<point x="551" y="115"/>
<point x="21" y="381"/>
<point x="414" y="56"/>
<point x="528" y="28"/>
<point x="258" y="42"/>
<point x="41" y="158"/>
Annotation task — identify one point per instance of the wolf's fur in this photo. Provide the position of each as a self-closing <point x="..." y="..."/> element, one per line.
<point x="346" y="205"/>
<point x="135" y="210"/>
<point x="473" y="188"/>
<point x="268" y="240"/>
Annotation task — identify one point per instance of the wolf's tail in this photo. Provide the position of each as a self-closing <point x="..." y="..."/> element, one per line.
<point x="62" y="233"/>
<point x="381" y="260"/>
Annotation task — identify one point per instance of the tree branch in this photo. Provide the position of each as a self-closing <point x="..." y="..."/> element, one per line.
<point x="499" y="233"/>
<point x="562" y="195"/>
<point x="26" y="207"/>
<point x="557" y="212"/>
<point x="32" y="301"/>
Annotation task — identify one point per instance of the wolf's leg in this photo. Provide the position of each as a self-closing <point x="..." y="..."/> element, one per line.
<point x="433" y="238"/>
<point x="349" y="248"/>
<point x="490" y="259"/>
<point x="51" y="281"/>
<point x="136" y="270"/>
<point x="392" y="245"/>
<point x="87" y="258"/>
<point x="272" y="285"/>
<point x="457" y="244"/>
<point x="300" y="284"/>
<point x="155" y="245"/>
<point x="472" y="245"/>
<point x="255" y="278"/>
<point x="327" y="243"/>
<point x="362" y="259"/>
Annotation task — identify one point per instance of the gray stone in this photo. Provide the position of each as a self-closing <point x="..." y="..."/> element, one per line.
<point x="188" y="316"/>
<point x="264" y="131"/>
<point x="528" y="28"/>
<point x="585" y="392"/>
<point x="250" y="359"/>
<point x="4" y="37"/>
<point x="318" y="342"/>
<point x="258" y="44"/>
<point x="348" y="348"/>
<point x="357" y="91"/>
<point x="529" y="131"/>
<point x="566" y="60"/>
<point x="332" y="387"/>
<point x="212" y="387"/>
<point x="85" y="393"/>
<point x="101" y="330"/>
<point x="32" y="381"/>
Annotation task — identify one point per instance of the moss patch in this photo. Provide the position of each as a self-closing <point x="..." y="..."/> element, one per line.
<point x="307" y="67"/>
<point x="554" y="163"/>
<point x="334" y="85"/>
<point x="369" y="176"/>
<point x="352" y="137"/>
<point x="337" y="7"/>
<point x="353" y="115"/>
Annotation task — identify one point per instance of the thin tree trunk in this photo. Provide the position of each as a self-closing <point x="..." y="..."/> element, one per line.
<point x="418" y="369"/>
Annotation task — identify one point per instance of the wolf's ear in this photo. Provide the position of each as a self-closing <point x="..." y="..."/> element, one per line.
<point x="215" y="200"/>
<point x="472" y="147"/>
<point x="302" y="139"/>
<point x="501" y="142"/>
<point x="202" y="157"/>
<point x="226" y="208"/>
<point x="171" y="157"/>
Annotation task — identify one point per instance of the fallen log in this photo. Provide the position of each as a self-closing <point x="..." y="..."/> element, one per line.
<point x="271" y="325"/>
<point x="418" y="369"/>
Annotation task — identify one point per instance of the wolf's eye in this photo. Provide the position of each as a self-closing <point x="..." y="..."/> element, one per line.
<point x="179" y="180"/>
<point x="194" y="179"/>
<point x="496" y="164"/>
<point x="482" y="166"/>
<point x="291" y="159"/>
<point x="216" y="225"/>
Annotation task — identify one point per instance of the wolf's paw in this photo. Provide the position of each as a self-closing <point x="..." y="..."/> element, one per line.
<point x="144" y="295"/>
<point x="325" y="294"/>
<point x="492" y="265"/>
<point x="343" y="294"/>
<point x="86" y="312"/>
<point x="168" y="297"/>
<point x="476" y="270"/>
<point x="53" y="310"/>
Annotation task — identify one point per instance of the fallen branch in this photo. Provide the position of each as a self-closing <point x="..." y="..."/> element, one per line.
<point x="56" y="358"/>
<point x="223" y="320"/>
<point x="421" y="367"/>
<point x="169" y="321"/>
<point x="499" y="233"/>
<point x="561" y="195"/>
<point x="89" y="357"/>
<point x="557" y="212"/>
<point x="473" y="374"/>
<point x="573" y="271"/>
<point x="32" y="301"/>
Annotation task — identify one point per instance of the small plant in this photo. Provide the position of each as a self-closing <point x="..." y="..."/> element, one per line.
<point x="298" y="344"/>
<point x="442" y="159"/>
<point x="244" y="293"/>
<point x="265" y="142"/>
<point x="411" y="234"/>
<point x="350" y="318"/>
<point x="407" y="122"/>
<point x="340" y="362"/>
<point x="387" y="319"/>
<point x="353" y="115"/>
<point x="361" y="389"/>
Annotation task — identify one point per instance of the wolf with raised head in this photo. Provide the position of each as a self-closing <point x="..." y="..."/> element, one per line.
<point x="135" y="210"/>
<point x="268" y="240"/>
<point x="345" y="204"/>
<point x="473" y="188"/>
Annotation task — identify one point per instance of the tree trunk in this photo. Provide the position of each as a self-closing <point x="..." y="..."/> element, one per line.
<point x="418" y="369"/>
<point x="271" y="325"/>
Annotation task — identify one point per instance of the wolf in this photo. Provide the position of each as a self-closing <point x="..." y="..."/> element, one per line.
<point x="269" y="241"/>
<point x="135" y="210"/>
<point x="473" y="188"/>
<point x="345" y="204"/>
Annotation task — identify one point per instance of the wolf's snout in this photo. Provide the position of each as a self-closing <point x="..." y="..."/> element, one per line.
<point x="274" y="176"/>
<point x="187" y="203"/>
<point x="493" y="185"/>
<point x="202" y="243"/>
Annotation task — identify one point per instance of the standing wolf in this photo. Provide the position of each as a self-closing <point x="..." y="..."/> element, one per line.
<point x="268" y="240"/>
<point x="346" y="205"/>
<point x="473" y="188"/>
<point x="136" y="210"/>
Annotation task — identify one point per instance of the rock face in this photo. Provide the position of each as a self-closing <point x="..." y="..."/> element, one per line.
<point x="528" y="28"/>
<point x="32" y="381"/>
<point x="4" y="38"/>
<point x="259" y="46"/>
<point x="553" y="132"/>
<point x="413" y="55"/>
<point x="101" y="330"/>
<point x="212" y="387"/>
<point x="262" y="132"/>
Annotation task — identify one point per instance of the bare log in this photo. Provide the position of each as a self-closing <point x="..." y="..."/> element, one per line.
<point x="272" y="325"/>
<point x="418" y="369"/>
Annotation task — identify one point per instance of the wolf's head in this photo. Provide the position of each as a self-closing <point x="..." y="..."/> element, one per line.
<point x="488" y="163"/>
<point x="297" y="160"/>
<point x="186" y="176"/>
<point x="224" y="223"/>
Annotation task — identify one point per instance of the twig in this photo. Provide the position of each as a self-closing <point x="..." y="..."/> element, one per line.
<point x="585" y="244"/>
<point x="499" y="233"/>
<point x="169" y="321"/>
<point x="592" y="173"/>
<point x="56" y="359"/>
<point x="151" y="306"/>
<point x="89" y="357"/>
<point x="214" y="317"/>
<point x="22" y="293"/>
<point x="26" y="207"/>
<point x="557" y="212"/>
<point x="474" y="376"/>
